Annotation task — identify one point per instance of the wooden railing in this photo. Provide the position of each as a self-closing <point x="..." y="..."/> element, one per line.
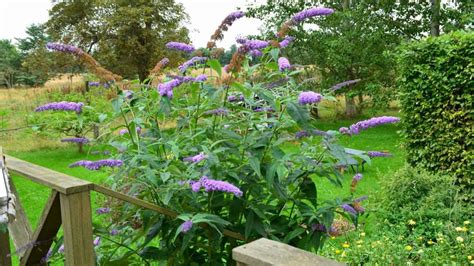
<point x="69" y="205"/>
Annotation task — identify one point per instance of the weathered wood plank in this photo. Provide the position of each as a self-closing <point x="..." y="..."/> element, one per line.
<point x="77" y="226"/>
<point x="5" y="253"/>
<point x="45" y="233"/>
<point x="265" y="252"/>
<point x="60" y="182"/>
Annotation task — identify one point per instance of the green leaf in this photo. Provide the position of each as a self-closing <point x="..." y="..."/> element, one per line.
<point x="153" y="253"/>
<point x="298" y="231"/>
<point x="215" y="65"/>
<point x="275" y="53"/>
<point x="255" y="164"/>
<point x="299" y="114"/>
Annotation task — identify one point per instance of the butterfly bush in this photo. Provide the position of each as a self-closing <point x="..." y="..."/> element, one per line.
<point x="76" y="140"/>
<point x="365" y="124"/>
<point x="61" y="106"/>
<point x="234" y="156"/>
<point x="180" y="47"/>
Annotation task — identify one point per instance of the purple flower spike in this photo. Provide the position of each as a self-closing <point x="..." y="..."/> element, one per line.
<point x="166" y="89"/>
<point x="76" y="140"/>
<point x="256" y="53"/>
<point x="309" y="97"/>
<point x="196" y="158"/>
<point x="114" y="232"/>
<point x="373" y="154"/>
<point x="96" y="241"/>
<point x="312" y="12"/>
<point x="375" y="121"/>
<point x="164" y="61"/>
<point x="61" y="106"/>
<point x="319" y="227"/>
<point x="218" y="111"/>
<point x="180" y="46"/>
<point x="343" y="84"/>
<point x="96" y="165"/>
<point x="256" y="44"/>
<point x="357" y="177"/>
<point x="283" y="63"/>
<point x="104" y="210"/>
<point x="286" y="41"/>
<point x="186" y="226"/>
<point x="234" y="98"/>
<point x="191" y="62"/>
<point x="348" y="208"/>
<point x="195" y="186"/>
<point x="65" y="48"/>
<point x="216" y="185"/>
<point x="241" y="40"/>
<point x="94" y="84"/>
<point x="263" y="109"/>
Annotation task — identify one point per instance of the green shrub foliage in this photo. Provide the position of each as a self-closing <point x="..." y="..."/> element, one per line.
<point x="436" y="84"/>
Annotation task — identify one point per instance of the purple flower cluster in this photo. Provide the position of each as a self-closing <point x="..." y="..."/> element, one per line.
<point x="196" y="158"/>
<point x="286" y="41"/>
<point x="322" y="228"/>
<point x="186" y="226"/>
<point x="234" y="98"/>
<point x="263" y="109"/>
<point x="180" y="46"/>
<point x="215" y="185"/>
<point x="365" y="124"/>
<point x="256" y="44"/>
<point x="373" y="154"/>
<point x="309" y="97"/>
<point x="191" y="62"/>
<point x="94" y="83"/>
<point x="166" y="89"/>
<point x="241" y="40"/>
<point x="218" y="111"/>
<point x="283" y="63"/>
<point x="76" y="140"/>
<point x="61" y="106"/>
<point x="256" y="53"/>
<point x="96" y="241"/>
<point x="343" y="84"/>
<point x="312" y="12"/>
<point x="200" y="78"/>
<point x="114" y="232"/>
<point x="65" y="48"/>
<point x="103" y="210"/>
<point x="164" y="61"/>
<point x="125" y="131"/>
<point x="128" y="94"/>
<point x="96" y="165"/>
<point x="233" y="17"/>
<point x="349" y="209"/>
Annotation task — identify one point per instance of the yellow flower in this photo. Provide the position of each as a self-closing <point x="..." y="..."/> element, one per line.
<point x="362" y="234"/>
<point x="430" y="242"/>
<point x="359" y="246"/>
<point x="360" y="241"/>
<point x="345" y="245"/>
<point x="466" y="222"/>
<point x="420" y="238"/>
<point x="469" y="257"/>
<point x="420" y="251"/>
<point x="333" y="237"/>
<point x="471" y="262"/>
<point x="408" y="248"/>
<point x="459" y="239"/>
<point x="460" y="229"/>
<point x="338" y="252"/>
<point x="411" y="222"/>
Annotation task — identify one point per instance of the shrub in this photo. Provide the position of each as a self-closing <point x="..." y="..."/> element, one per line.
<point x="436" y="85"/>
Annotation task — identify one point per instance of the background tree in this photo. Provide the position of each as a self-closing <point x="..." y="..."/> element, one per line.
<point x="10" y="62"/>
<point x="127" y="37"/>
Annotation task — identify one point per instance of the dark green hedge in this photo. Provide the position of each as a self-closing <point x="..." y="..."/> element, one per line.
<point x="437" y="86"/>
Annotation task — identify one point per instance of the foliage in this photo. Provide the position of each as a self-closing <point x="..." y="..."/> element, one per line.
<point x="9" y="62"/>
<point x="100" y="27"/>
<point x="437" y="103"/>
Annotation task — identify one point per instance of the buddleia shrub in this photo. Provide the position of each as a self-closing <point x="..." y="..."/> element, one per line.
<point x="437" y="87"/>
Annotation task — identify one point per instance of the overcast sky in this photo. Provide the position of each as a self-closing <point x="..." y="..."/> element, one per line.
<point x="206" y="15"/>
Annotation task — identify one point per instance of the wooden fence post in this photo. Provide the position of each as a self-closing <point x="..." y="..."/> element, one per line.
<point x="77" y="227"/>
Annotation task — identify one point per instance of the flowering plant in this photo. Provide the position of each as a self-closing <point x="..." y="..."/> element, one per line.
<point x="222" y="151"/>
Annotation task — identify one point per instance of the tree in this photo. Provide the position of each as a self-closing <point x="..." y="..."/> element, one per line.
<point x="10" y="62"/>
<point x="127" y="37"/>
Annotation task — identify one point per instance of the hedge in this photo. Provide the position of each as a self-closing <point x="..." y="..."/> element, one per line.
<point x="436" y="85"/>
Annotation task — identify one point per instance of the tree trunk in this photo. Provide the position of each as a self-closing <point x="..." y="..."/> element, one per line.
<point x="351" y="110"/>
<point x="435" y="9"/>
<point x="80" y="147"/>
<point x="360" y="105"/>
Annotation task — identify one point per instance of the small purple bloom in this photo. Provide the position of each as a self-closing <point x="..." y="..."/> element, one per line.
<point x="256" y="44"/>
<point x="373" y="154"/>
<point x="125" y="131"/>
<point x="96" y="241"/>
<point x="349" y="209"/>
<point x="263" y="109"/>
<point x="283" y="63"/>
<point x="357" y="177"/>
<point x="286" y="41"/>
<point x="195" y="186"/>
<point x="234" y="98"/>
<point x="104" y="210"/>
<point x="180" y="46"/>
<point x="256" y="53"/>
<point x="309" y="97"/>
<point x="61" y="106"/>
<point x="191" y="62"/>
<point x="312" y="12"/>
<point x="128" y="94"/>
<point x="234" y="16"/>
<point x="61" y="249"/>
<point x="96" y="165"/>
<point x="344" y="130"/>
<point x="186" y="226"/>
<point x="65" y="48"/>
<point x="241" y="40"/>
<point x="164" y="61"/>
<point x="166" y="89"/>
<point x="196" y="158"/>
<point x="94" y="83"/>
<point x="218" y="111"/>
<point x="76" y="140"/>
<point x="355" y="129"/>
<point x="114" y="232"/>
<point x="343" y="84"/>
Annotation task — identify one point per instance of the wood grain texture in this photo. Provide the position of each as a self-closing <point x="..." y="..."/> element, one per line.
<point x="60" y="182"/>
<point x="265" y="252"/>
<point x="77" y="226"/>
<point x="45" y="233"/>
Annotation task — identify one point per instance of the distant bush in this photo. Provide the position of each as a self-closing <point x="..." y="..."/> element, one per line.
<point x="436" y="85"/>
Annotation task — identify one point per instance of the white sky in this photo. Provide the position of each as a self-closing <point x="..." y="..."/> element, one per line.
<point x="206" y="15"/>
